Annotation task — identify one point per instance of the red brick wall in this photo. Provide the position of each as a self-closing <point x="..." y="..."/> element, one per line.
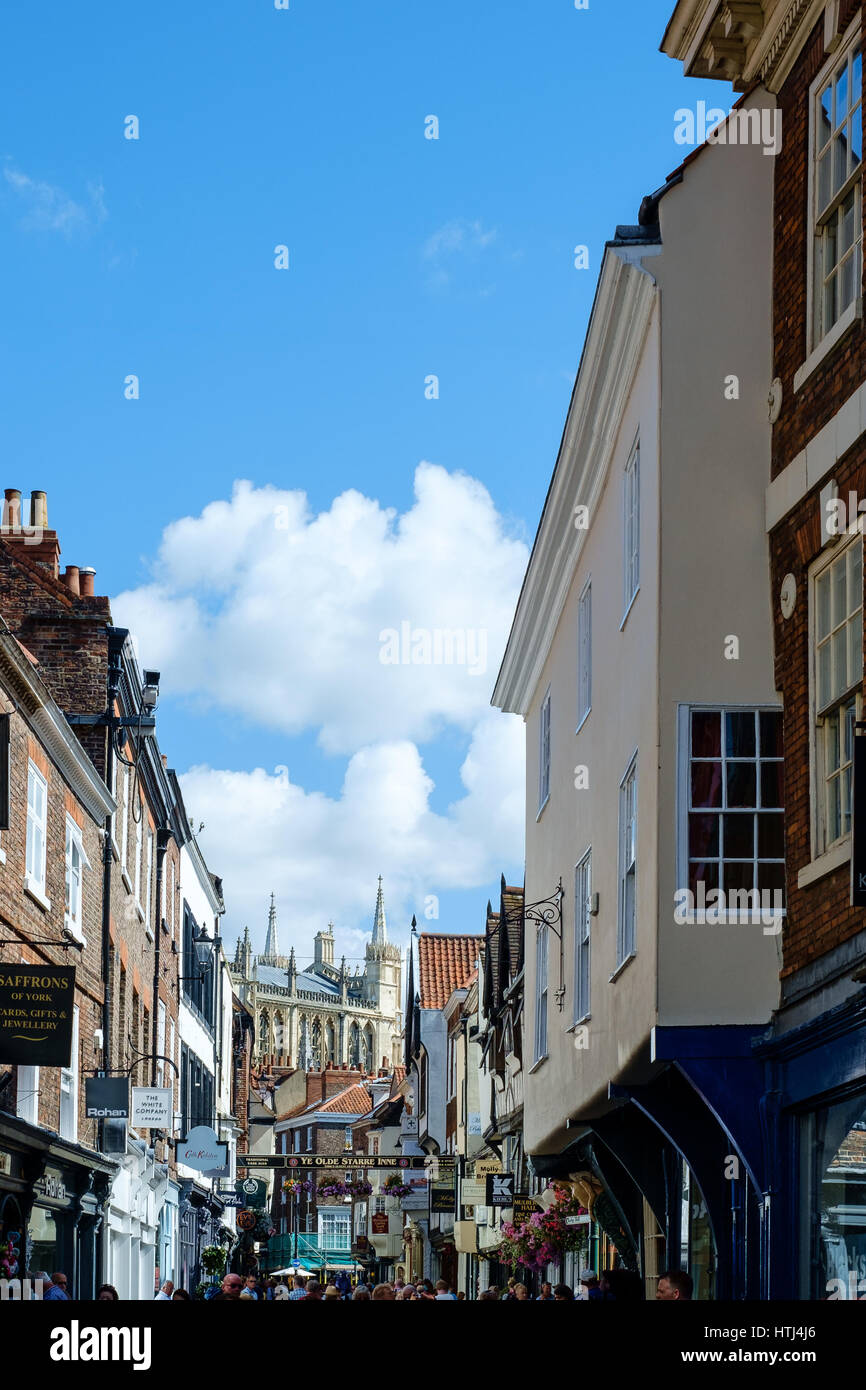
<point x="819" y="917"/>
<point x="805" y="413"/>
<point x="20" y="913"/>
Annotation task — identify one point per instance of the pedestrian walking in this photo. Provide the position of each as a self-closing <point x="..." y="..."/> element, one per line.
<point x="383" y="1291"/>
<point x="674" y="1286"/>
<point x="443" y="1292"/>
<point x="107" y="1293"/>
<point x="521" y="1293"/>
<point x="298" y="1289"/>
<point x="181" y="1296"/>
<point x="164" y="1293"/>
<point x="562" y="1294"/>
<point x="52" y="1291"/>
<point x="546" y="1295"/>
<point x="281" y="1292"/>
<point x="332" y="1294"/>
<point x="361" y="1294"/>
<point x="314" y="1291"/>
<point x="230" y="1289"/>
<point x="251" y="1289"/>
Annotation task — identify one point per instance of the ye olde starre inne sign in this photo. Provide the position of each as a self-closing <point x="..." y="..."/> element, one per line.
<point x="36" y="1009"/>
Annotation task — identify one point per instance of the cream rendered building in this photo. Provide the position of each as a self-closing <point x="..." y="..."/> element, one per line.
<point x="641" y="661"/>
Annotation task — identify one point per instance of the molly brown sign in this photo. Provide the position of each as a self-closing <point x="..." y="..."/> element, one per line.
<point x="151" y="1107"/>
<point x="36" y="1009"/>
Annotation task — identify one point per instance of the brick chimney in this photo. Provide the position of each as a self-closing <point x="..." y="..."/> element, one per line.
<point x="321" y="1085"/>
<point x="31" y="531"/>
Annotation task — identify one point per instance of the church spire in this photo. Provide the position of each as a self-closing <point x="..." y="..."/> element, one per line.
<point x="271" y="944"/>
<point x="380" y="931"/>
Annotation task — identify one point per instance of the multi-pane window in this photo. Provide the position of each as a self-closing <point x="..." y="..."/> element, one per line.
<point x="540" y="993"/>
<point x="37" y="810"/>
<point x="582" y="918"/>
<point x="27" y="1090"/>
<point x="334" y="1229"/>
<point x="139" y="831"/>
<point x="69" y="1088"/>
<point x="584" y="653"/>
<point x="544" y="752"/>
<point x="148" y="877"/>
<point x="625" y="941"/>
<point x="631" y="527"/>
<point x="838" y="229"/>
<point x="838" y="655"/>
<point x="76" y="860"/>
<point x="735" y="802"/>
<point x="124" y="819"/>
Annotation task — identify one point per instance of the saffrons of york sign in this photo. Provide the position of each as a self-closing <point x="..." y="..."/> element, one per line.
<point x="36" y="1008"/>
<point x="341" y="1161"/>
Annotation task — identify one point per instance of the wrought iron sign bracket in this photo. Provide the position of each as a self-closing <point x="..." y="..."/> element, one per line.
<point x="547" y="912"/>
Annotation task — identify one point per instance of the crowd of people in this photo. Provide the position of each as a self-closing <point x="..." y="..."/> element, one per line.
<point x="614" y="1285"/>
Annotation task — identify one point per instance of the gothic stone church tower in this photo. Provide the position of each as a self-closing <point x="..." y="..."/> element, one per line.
<point x="324" y="1013"/>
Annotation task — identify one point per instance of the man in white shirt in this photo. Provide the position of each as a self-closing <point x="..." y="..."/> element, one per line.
<point x="443" y="1293"/>
<point x="165" y="1293"/>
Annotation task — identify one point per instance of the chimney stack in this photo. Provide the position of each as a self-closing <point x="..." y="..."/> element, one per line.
<point x="87" y="577"/>
<point x="39" y="510"/>
<point x="71" y="579"/>
<point x="12" y="508"/>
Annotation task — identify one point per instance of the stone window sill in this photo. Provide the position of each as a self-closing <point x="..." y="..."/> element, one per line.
<point x="826" y="863"/>
<point x="35" y="892"/>
<point x="852" y="315"/>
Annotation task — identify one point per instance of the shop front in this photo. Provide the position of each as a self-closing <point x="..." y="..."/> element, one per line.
<point x="52" y="1201"/>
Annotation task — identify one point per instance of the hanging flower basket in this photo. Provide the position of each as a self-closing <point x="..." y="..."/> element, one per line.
<point x="360" y="1187"/>
<point x="545" y="1237"/>
<point x="296" y="1185"/>
<point x="334" y="1187"/>
<point x="213" y="1259"/>
<point x="395" y="1186"/>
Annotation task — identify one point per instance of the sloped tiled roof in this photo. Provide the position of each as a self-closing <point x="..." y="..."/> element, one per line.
<point x="445" y="963"/>
<point x="355" y="1100"/>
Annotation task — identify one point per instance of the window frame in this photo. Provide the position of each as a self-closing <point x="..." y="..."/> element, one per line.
<point x="584" y="654"/>
<point x="626" y="943"/>
<point x="74" y="923"/>
<point x="631" y="513"/>
<point x="583" y="937"/>
<point x="69" y="1084"/>
<point x="817" y="752"/>
<point x="36" y="883"/>
<point x="684" y="763"/>
<point x="819" y="335"/>
<point x="545" y="760"/>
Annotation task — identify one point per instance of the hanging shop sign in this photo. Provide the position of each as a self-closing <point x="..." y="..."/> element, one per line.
<point x="379" y="1223"/>
<point x="500" y="1190"/>
<point x="151" y="1107"/>
<point x="524" y="1207"/>
<point x="485" y="1166"/>
<point x="247" y="1220"/>
<point x="202" y="1151"/>
<point x="442" y="1192"/>
<point x="473" y="1194"/>
<point x="253" y="1191"/>
<point x="106" y="1097"/>
<point x="36" y="1011"/>
<point x="341" y="1161"/>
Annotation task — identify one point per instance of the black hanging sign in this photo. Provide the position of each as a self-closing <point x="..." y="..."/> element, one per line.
<point x="36" y="1011"/>
<point x="500" y="1189"/>
<point x="442" y="1192"/>
<point x="858" y="831"/>
<point x="106" y="1097"/>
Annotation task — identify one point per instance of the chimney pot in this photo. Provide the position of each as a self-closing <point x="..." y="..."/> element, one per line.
<point x="71" y="579"/>
<point x="12" y="508"/>
<point x="86" y="576"/>
<point x="39" y="510"/>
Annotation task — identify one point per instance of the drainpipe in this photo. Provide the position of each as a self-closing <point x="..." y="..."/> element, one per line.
<point x="163" y="835"/>
<point x="115" y="647"/>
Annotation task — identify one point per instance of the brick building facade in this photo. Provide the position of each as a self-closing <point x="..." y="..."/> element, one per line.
<point x="805" y="1070"/>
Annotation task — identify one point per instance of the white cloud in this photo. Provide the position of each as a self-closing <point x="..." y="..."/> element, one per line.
<point x="282" y="625"/>
<point x="49" y="208"/>
<point x="455" y="242"/>
<point x="262" y="608"/>
<point x="320" y="855"/>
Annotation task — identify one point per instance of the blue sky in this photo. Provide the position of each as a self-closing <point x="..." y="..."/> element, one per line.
<point x="408" y="257"/>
